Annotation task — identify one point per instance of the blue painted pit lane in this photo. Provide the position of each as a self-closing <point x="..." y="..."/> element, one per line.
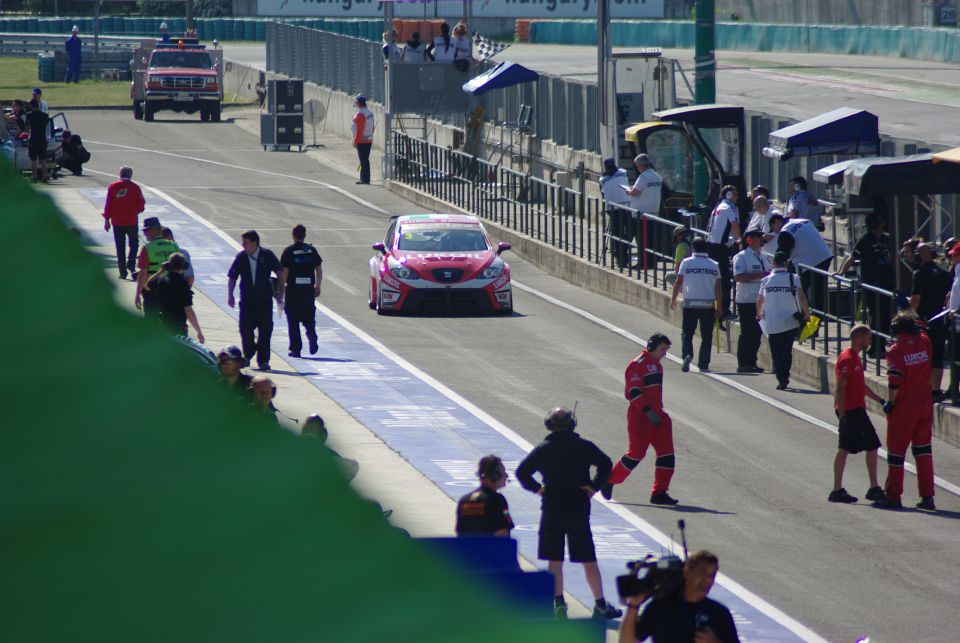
<point x="437" y="431"/>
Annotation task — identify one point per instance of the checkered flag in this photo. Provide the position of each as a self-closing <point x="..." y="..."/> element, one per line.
<point x="484" y="48"/>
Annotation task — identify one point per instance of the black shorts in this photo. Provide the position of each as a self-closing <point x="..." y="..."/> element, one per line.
<point x="937" y="332"/>
<point x="857" y="433"/>
<point x="37" y="150"/>
<point x="572" y="528"/>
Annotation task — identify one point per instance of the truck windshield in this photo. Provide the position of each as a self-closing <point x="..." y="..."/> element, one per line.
<point x="179" y="58"/>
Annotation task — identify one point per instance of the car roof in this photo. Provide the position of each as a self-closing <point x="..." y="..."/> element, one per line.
<point x="421" y="219"/>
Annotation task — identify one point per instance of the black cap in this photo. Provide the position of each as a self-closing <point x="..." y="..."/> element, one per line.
<point x="753" y="232"/>
<point x="231" y="352"/>
<point x="151" y="222"/>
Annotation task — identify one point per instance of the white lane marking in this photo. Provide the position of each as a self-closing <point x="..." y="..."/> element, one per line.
<point x="766" y="399"/>
<point x="662" y="539"/>
<point x="338" y="190"/>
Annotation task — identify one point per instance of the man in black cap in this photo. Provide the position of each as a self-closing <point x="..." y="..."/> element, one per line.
<point x="230" y="361"/>
<point x="302" y="274"/>
<point x="564" y="461"/>
<point x="153" y="254"/>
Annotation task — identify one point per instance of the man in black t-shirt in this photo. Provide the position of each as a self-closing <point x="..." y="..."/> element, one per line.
<point x="484" y="511"/>
<point x="37" y="122"/>
<point x="686" y="617"/>
<point x="931" y="285"/>
<point x="875" y="253"/>
<point x="302" y="274"/>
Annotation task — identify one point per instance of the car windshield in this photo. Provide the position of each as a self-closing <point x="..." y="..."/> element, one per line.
<point x="442" y="238"/>
<point x="180" y="58"/>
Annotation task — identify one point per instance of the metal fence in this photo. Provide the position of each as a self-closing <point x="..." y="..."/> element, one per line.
<point x="342" y="63"/>
<point x="637" y="244"/>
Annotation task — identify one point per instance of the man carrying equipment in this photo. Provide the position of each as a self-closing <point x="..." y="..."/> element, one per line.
<point x="647" y="422"/>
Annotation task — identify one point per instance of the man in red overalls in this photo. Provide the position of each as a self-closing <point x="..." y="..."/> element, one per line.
<point x="647" y="422"/>
<point x="909" y="412"/>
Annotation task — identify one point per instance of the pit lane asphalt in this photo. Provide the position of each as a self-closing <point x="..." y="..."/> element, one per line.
<point x="752" y="480"/>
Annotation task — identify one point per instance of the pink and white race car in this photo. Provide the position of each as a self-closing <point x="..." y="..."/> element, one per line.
<point x="439" y="262"/>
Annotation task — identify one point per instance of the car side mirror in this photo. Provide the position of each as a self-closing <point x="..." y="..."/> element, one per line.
<point x="503" y="245"/>
<point x="379" y="247"/>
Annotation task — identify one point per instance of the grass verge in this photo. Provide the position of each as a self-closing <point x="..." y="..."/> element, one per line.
<point x="18" y="77"/>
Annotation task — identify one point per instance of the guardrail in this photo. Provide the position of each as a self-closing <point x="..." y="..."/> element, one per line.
<point x="33" y="44"/>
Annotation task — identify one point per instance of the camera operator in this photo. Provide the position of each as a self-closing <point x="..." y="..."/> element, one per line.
<point x="685" y="616"/>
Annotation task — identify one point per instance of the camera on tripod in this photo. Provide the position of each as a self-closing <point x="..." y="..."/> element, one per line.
<point x="660" y="576"/>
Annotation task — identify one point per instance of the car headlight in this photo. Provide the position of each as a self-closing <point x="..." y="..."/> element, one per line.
<point x="493" y="270"/>
<point x="210" y="81"/>
<point x="402" y="272"/>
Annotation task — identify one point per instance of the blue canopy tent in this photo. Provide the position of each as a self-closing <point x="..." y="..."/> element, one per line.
<point x="842" y="131"/>
<point x="506" y="74"/>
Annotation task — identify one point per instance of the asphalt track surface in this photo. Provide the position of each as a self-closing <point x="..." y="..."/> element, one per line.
<point x="751" y="478"/>
<point x="913" y="99"/>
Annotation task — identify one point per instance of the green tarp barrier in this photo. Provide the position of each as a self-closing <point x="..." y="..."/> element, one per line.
<point x="142" y="503"/>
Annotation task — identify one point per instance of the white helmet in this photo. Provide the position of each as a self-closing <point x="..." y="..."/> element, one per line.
<point x="75" y="29"/>
<point x="163" y="25"/>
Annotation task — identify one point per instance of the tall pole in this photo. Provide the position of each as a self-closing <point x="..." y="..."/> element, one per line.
<point x="705" y="83"/>
<point x="606" y="92"/>
<point x="388" y="151"/>
<point x="96" y="41"/>
<point x="189" y="15"/>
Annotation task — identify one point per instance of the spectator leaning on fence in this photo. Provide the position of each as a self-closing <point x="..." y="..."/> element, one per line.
<point x="389" y="49"/>
<point x="413" y="50"/>
<point x="931" y="287"/>
<point x="613" y="186"/>
<point x="874" y="251"/>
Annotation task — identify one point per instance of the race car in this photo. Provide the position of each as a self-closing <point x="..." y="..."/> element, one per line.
<point x="439" y="262"/>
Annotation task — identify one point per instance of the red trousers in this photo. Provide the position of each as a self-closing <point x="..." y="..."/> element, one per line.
<point x="906" y="425"/>
<point x="642" y="434"/>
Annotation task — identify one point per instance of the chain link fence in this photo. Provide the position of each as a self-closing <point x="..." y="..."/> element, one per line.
<point x="342" y="63"/>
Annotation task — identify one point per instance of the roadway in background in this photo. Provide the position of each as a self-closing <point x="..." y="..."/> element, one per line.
<point x="913" y="99"/>
<point x="752" y="480"/>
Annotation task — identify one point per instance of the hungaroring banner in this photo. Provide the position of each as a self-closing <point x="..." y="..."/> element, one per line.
<point x="486" y="8"/>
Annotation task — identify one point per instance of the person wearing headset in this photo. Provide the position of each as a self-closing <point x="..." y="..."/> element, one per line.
<point x="723" y="229"/>
<point x="264" y="390"/>
<point x="564" y="461"/>
<point x="647" y="422"/>
<point x="801" y="204"/>
<point x="484" y="511"/>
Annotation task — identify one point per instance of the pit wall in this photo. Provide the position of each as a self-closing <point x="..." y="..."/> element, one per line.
<point x="933" y="44"/>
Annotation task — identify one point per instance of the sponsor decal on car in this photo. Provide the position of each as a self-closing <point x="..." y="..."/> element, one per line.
<point x="502" y="281"/>
<point x="390" y="281"/>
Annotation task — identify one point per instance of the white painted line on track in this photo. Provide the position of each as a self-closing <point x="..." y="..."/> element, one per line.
<point x="725" y="581"/>
<point x="338" y="190"/>
<point x="766" y="399"/>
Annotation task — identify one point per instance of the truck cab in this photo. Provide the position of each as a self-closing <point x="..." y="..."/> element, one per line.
<point x="680" y="139"/>
<point x="181" y="76"/>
